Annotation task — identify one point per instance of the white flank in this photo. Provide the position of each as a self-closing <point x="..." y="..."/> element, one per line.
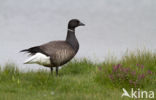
<point x="38" y="58"/>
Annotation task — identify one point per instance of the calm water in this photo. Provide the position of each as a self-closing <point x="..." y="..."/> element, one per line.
<point x="112" y="26"/>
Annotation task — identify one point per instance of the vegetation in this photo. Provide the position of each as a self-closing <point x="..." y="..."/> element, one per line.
<point x="81" y="79"/>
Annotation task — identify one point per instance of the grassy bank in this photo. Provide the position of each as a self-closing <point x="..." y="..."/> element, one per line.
<point x="82" y="79"/>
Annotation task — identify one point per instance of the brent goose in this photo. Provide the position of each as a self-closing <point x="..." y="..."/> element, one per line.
<point x="56" y="53"/>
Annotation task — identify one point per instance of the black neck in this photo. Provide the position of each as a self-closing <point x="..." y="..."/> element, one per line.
<point x="72" y="40"/>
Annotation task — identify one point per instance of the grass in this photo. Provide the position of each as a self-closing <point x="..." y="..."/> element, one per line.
<point x="81" y="79"/>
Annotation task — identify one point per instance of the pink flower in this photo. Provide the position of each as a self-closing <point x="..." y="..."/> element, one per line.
<point x="133" y="73"/>
<point x="115" y="68"/>
<point x="125" y="70"/>
<point x="130" y="81"/>
<point x="100" y="68"/>
<point x="149" y="72"/>
<point x="138" y="65"/>
<point x="141" y="76"/>
<point x="142" y="66"/>
<point x="111" y="76"/>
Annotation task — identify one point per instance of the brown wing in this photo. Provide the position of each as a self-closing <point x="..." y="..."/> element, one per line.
<point x="59" y="51"/>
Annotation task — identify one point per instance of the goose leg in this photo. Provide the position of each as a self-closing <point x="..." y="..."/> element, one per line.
<point x="56" y="71"/>
<point x="51" y="68"/>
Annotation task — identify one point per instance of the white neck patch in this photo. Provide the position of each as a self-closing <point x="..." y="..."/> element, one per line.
<point x="70" y="30"/>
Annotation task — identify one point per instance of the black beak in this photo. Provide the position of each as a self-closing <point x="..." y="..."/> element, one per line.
<point x="81" y="24"/>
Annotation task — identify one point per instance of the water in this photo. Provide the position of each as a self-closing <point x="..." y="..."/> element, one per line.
<point x="112" y="26"/>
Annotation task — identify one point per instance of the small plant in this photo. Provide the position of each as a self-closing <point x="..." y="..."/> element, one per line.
<point x="121" y="76"/>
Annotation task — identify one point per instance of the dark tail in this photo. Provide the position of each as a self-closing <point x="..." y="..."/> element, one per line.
<point x="32" y="50"/>
<point x="25" y="50"/>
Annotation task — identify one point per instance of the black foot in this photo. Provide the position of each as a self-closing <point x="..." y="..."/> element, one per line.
<point x="56" y="71"/>
<point x="51" y="68"/>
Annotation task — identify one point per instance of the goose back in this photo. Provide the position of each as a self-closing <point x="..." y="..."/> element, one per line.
<point x="60" y="52"/>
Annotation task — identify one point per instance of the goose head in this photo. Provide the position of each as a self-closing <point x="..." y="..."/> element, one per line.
<point x="74" y="23"/>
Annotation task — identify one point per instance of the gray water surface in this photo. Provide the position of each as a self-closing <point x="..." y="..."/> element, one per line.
<point x="112" y="26"/>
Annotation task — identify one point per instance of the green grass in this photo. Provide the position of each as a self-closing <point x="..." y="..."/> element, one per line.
<point x="78" y="80"/>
